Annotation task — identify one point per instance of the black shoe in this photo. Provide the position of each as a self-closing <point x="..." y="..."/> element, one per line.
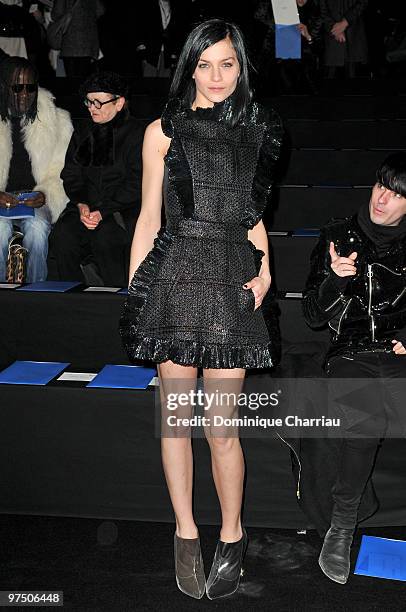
<point x="334" y="558"/>
<point x="189" y="568"/>
<point x="226" y="570"/>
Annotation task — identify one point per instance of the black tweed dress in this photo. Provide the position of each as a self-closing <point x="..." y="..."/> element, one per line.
<point x="186" y="301"/>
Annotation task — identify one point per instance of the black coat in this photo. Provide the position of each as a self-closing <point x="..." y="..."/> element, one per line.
<point x="371" y="309"/>
<point x="14" y="21"/>
<point x="310" y="15"/>
<point x="150" y="33"/>
<point x="355" y="48"/>
<point x="81" y="38"/>
<point x="110" y="188"/>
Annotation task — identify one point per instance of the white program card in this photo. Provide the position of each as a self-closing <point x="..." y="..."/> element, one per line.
<point x="77" y="376"/>
<point x="285" y="12"/>
<point x="107" y="289"/>
<point x="293" y="294"/>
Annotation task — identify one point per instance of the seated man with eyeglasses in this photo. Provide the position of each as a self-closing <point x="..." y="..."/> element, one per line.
<point x="102" y="178"/>
<point x="34" y="136"/>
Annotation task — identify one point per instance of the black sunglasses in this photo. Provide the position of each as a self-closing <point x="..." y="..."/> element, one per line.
<point x="97" y="103"/>
<point x="19" y="87"/>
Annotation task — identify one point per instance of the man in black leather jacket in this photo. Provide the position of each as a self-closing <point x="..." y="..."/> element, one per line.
<point x="357" y="284"/>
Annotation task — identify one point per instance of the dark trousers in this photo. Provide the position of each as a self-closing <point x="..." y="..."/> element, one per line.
<point x="348" y="69"/>
<point x="79" y="67"/>
<point x="71" y="244"/>
<point x="375" y="410"/>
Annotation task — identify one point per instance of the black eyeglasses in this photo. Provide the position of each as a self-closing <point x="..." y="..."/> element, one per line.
<point x="97" y="103"/>
<point x="19" y="87"/>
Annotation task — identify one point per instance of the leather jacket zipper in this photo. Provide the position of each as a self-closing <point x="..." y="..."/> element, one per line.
<point x="334" y="303"/>
<point x="370" y="274"/>
<point x="386" y="268"/>
<point x="396" y="300"/>
<point x="342" y="316"/>
<point x="299" y="462"/>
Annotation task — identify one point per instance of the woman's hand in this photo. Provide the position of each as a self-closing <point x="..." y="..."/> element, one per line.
<point x="89" y="219"/>
<point x="259" y="285"/>
<point x="398" y="347"/>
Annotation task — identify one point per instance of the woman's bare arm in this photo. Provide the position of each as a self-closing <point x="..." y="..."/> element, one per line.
<point x="154" y="150"/>
<point x="259" y="238"/>
<point x="261" y="283"/>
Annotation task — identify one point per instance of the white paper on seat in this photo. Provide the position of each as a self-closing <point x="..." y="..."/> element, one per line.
<point x="108" y="289"/>
<point x="77" y="376"/>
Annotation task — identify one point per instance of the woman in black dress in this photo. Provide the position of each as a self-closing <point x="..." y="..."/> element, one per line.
<point x="196" y="290"/>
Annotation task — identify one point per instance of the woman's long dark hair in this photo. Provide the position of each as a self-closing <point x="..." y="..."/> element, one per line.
<point x="10" y="70"/>
<point x="203" y="36"/>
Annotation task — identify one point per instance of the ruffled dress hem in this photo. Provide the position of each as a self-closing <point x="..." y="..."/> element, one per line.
<point x="189" y="353"/>
<point x="182" y="352"/>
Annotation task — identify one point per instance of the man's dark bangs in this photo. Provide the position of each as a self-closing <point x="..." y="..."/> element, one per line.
<point x="392" y="173"/>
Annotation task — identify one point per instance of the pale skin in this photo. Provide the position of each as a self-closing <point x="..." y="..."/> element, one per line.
<point x="304" y="31"/>
<point x="387" y="208"/>
<point x="113" y="105"/>
<point x="216" y="76"/>
<point x="338" y="30"/>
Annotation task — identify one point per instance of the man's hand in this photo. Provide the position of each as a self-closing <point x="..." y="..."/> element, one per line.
<point x="339" y="28"/>
<point x="7" y="200"/>
<point x="340" y="38"/>
<point x="342" y="266"/>
<point x="304" y="32"/>
<point x="89" y="219"/>
<point x="36" y="202"/>
<point x="37" y="16"/>
<point x="259" y="287"/>
<point x="398" y="347"/>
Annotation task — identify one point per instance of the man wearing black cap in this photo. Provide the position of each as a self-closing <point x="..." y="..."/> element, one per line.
<point x="102" y="178"/>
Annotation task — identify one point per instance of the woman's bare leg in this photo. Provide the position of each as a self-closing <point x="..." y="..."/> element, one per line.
<point x="177" y="457"/>
<point x="226" y="453"/>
